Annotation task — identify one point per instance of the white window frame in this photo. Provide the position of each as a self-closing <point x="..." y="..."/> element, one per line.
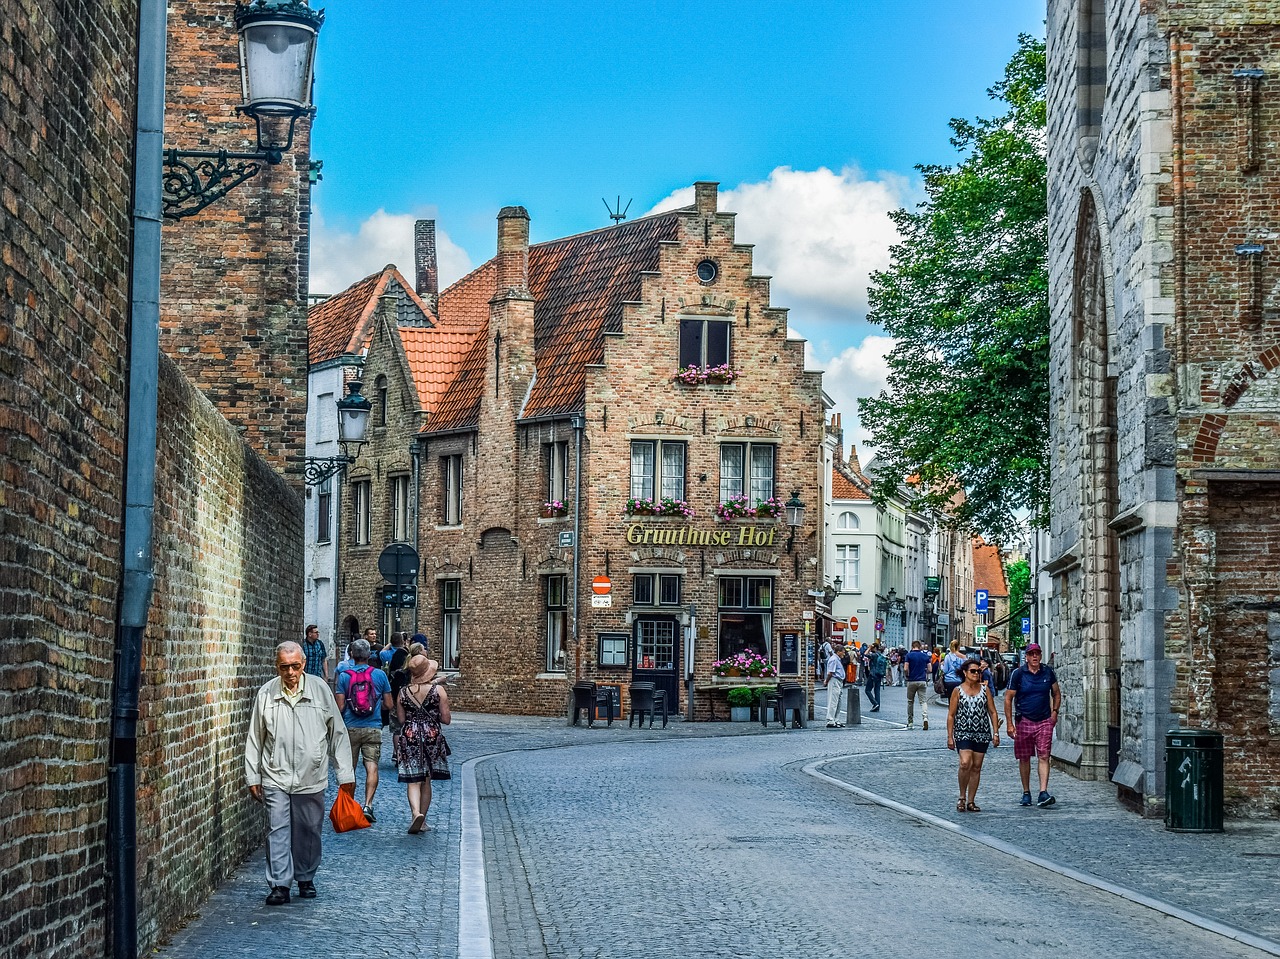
<point x="848" y="520"/>
<point x="451" y="490"/>
<point x="361" y="512"/>
<point x="556" y="593"/>
<point x="400" y="508"/>
<point x="669" y="483"/>
<point x="557" y="472"/>
<point x="747" y="476"/>
<point x="450" y="621"/>
<point x="848" y="566"/>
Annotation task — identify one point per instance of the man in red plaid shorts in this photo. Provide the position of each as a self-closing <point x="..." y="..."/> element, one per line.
<point x="1034" y="697"/>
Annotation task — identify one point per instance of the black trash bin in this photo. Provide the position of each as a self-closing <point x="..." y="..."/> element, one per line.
<point x="1193" y="780"/>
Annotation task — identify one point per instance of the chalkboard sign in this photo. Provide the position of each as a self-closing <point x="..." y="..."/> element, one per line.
<point x="789" y="655"/>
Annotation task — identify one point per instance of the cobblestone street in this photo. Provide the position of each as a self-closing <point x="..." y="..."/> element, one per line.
<point x="723" y="839"/>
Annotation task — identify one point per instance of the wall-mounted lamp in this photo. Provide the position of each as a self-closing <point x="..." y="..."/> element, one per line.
<point x="795" y="516"/>
<point x="277" y="61"/>
<point x="353" y="426"/>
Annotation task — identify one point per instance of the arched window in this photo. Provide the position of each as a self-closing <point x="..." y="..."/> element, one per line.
<point x="847" y="520"/>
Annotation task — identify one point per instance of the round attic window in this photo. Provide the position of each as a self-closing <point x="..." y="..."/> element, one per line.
<point x="708" y="271"/>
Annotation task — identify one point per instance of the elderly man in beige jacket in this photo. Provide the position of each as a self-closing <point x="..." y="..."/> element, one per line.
<point x="294" y="730"/>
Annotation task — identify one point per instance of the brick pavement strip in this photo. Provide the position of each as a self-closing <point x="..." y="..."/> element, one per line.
<point x="571" y="838"/>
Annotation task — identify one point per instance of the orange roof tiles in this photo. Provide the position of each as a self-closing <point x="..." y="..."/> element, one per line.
<point x="844" y="488"/>
<point x="435" y="356"/>
<point x="988" y="570"/>
<point x="343" y="323"/>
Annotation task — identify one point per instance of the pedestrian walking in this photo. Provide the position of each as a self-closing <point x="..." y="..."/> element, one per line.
<point x="295" y="728"/>
<point x="360" y="690"/>
<point x="972" y="725"/>
<point x="895" y="662"/>
<point x="835" y="686"/>
<point x="1031" y="705"/>
<point x="317" y="656"/>
<point x="422" y="752"/>
<point x="951" y="664"/>
<point x="917" y="666"/>
<point x="877" y="663"/>
<point x="820" y="661"/>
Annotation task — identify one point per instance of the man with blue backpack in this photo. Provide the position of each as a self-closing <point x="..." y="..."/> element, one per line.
<point x="877" y="666"/>
<point x="361" y="690"/>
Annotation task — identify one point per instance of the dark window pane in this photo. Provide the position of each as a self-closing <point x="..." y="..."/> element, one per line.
<point x="730" y="592"/>
<point x="643" y="589"/>
<point x="690" y="343"/>
<point x="669" y="589"/>
<point x="717" y="343"/>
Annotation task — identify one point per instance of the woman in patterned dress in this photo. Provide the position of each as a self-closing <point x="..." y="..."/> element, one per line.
<point x="972" y="726"/>
<point x="421" y="752"/>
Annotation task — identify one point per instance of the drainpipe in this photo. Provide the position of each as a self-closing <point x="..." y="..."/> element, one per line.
<point x="415" y="457"/>
<point x="579" y="423"/>
<point x="140" y="477"/>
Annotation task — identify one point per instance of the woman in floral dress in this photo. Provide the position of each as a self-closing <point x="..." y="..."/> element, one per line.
<point x="421" y="752"/>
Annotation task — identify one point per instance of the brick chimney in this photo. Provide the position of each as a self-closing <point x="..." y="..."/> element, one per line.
<point x="427" y="279"/>
<point x="513" y="250"/>
<point x="836" y="432"/>
<point x="705" y="193"/>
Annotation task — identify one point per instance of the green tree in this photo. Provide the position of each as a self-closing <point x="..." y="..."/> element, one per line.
<point x="966" y="301"/>
<point x="1019" y="575"/>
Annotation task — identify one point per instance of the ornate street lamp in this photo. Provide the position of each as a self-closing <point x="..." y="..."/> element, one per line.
<point x="795" y="516"/>
<point x="353" y="425"/>
<point x="277" y="60"/>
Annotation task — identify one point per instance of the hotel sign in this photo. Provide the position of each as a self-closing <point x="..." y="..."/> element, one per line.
<point x="746" y="535"/>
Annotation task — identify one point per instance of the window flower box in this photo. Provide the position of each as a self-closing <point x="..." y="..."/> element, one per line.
<point x="647" y="506"/>
<point x="553" y="510"/>
<point x="746" y="663"/>
<point x="695" y="375"/>
<point x="740" y="508"/>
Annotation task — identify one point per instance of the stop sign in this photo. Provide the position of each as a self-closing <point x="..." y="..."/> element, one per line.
<point x="601" y="585"/>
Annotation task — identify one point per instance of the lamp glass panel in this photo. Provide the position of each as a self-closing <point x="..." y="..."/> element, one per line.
<point x="278" y="67"/>
<point x="352" y="424"/>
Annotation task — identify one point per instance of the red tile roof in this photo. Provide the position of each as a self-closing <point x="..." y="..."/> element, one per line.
<point x="342" y="324"/>
<point x="578" y="284"/>
<point x="844" y="488"/>
<point x="988" y="570"/>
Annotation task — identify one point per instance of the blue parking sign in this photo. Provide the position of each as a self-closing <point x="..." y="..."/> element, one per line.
<point x="1026" y="625"/>
<point x="980" y="601"/>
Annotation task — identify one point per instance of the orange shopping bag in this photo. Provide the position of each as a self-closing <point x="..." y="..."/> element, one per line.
<point x="346" y="813"/>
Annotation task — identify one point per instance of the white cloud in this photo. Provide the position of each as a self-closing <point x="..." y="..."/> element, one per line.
<point x="820" y="234"/>
<point x="856" y="372"/>
<point x="340" y="258"/>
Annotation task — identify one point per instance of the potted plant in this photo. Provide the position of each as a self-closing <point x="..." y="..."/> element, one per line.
<point x="741" y="699"/>
<point x="553" y="508"/>
<point x="739" y="507"/>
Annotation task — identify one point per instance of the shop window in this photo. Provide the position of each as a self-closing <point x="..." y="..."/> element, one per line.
<point x="746" y="615"/>
<point x="557" y="623"/>
<point x="451" y="490"/>
<point x="704" y="342"/>
<point x="451" y="621"/>
<point x="361" y="506"/>
<point x="657" y="466"/>
<point x="746" y="469"/>
<point x="655" y="644"/>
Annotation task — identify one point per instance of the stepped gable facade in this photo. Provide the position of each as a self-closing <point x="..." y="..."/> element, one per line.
<point x="563" y="482"/>
<point x="1164" y="175"/>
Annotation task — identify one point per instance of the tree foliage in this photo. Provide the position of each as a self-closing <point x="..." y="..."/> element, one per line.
<point x="1019" y="575"/>
<point x="966" y="300"/>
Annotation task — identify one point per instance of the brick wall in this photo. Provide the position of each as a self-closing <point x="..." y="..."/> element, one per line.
<point x="228" y="540"/>
<point x="234" y="292"/>
<point x="65" y="171"/>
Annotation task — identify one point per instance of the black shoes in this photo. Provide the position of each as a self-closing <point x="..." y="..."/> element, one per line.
<point x="306" y="889"/>
<point x="368" y="814"/>
<point x="280" y="895"/>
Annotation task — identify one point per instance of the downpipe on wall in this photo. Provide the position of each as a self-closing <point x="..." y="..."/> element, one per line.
<point x="140" y="475"/>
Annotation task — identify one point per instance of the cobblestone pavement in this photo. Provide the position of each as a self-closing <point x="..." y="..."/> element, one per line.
<point x="709" y="838"/>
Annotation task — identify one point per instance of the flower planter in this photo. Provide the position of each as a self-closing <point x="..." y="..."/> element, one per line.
<point x="740" y="714"/>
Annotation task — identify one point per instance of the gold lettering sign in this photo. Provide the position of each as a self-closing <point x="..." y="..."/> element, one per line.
<point x="638" y="534"/>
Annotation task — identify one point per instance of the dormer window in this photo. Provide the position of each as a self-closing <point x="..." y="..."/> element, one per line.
<point x="704" y="343"/>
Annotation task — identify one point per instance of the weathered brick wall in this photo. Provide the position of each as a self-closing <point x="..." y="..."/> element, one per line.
<point x="234" y="293"/>
<point x="67" y="72"/>
<point x="228" y="548"/>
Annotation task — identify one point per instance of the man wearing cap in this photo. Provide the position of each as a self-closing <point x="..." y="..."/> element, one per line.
<point x="1034" y="697"/>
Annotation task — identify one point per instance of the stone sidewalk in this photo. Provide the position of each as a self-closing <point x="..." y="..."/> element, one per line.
<point x="1230" y="878"/>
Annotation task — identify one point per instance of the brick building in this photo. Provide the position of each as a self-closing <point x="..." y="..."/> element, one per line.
<point x="226" y="530"/>
<point x="541" y="404"/>
<point x="1164" y="175"/>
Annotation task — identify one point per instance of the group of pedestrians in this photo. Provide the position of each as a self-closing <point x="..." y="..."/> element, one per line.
<point x="299" y="724"/>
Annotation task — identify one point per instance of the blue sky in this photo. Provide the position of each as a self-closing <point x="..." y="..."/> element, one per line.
<point x="812" y="116"/>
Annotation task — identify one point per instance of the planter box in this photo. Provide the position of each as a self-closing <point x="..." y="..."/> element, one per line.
<point x="740" y="714"/>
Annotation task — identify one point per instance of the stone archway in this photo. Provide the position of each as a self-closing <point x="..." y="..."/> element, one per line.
<point x="1099" y="720"/>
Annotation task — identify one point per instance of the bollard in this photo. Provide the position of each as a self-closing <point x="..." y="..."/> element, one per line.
<point x="853" y="705"/>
